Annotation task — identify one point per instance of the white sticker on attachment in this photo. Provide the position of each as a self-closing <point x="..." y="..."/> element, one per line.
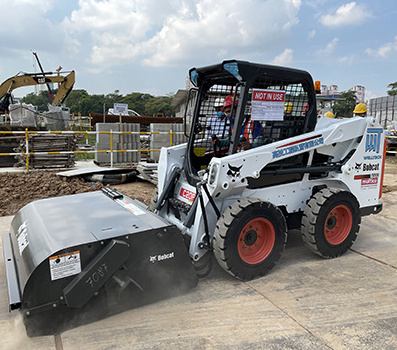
<point x="65" y="265"/>
<point x="130" y="206"/>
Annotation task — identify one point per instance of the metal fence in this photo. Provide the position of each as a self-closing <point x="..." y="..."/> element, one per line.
<point x="88" y="150"/>
<point x="384" y="109"/>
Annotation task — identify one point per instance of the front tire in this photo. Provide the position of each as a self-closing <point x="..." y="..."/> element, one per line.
<point x="249" y="238"/>
<point x="330" y="222"/>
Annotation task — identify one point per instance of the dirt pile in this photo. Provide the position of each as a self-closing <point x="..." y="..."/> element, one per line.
<point x="19" y="189"/>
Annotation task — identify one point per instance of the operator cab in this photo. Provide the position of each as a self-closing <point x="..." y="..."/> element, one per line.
<point x="267" y="104"/>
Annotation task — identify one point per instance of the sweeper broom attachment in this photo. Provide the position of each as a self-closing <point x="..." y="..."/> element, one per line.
<point x="73" y="260"/>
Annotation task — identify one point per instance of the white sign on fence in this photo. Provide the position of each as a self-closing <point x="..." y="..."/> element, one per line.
<point x="120" y="109"/>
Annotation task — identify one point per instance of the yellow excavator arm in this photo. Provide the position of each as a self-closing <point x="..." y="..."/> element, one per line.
<point x="65" y="85"/>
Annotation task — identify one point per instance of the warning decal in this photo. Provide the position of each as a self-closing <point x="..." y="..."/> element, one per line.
<point x="129" y="206"/>
<point x="65" y="265"/>
<point x="22" y="237"/>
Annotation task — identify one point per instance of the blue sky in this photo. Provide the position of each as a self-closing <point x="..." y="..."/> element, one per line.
<point x="149" y="45"/>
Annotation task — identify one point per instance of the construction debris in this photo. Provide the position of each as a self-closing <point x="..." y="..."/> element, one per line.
<point x="104" y="175"/>
<point x="49" y="146"/>
<point x="148" y="171"/>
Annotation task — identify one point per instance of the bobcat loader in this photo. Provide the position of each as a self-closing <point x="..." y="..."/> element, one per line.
<point x="232" y="192"/>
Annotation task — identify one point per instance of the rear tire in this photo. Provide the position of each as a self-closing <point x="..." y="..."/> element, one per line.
<point x="330" y="222"/>
<point x="249" y="238"/>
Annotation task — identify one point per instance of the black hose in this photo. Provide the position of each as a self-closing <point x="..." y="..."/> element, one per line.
<point x="113" y="179"/>
<point x="206" y="228"/>
<point x="217" y="212"/>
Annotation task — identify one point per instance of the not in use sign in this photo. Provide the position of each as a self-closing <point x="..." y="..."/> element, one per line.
<point x="267" y="104"/>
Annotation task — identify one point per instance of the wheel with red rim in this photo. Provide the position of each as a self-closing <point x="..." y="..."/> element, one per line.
<point x="330" y="222"/>
<point x="256" y="240"/>
<point x="338" y="224"/>
<point x="249" y="238"/>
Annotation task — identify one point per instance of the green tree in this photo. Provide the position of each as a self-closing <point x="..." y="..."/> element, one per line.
<point x="74" y="99"/>
<point x="92" y="104"/>
<point x="160" y="105"/>
<point x="113" y="98"/>
<point x="137" y="101"/>
<point x="81" y="101"/>
<point x="345" y="107"/>
<point x="41" y="100"/>
<point x="393" y="89"/>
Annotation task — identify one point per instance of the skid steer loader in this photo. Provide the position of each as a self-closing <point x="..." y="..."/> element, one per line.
<point x="232" y="191"/>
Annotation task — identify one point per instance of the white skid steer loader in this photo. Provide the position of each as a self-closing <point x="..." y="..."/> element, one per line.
<point x="261" y="166"/>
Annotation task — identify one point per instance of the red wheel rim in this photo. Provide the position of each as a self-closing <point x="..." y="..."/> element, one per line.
<point x="338" y="224"/>
<point x="256" y="241"/>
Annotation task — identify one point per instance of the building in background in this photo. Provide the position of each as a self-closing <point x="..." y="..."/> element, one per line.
<point x="333" y="91"/>
<point x="360" y="93"/>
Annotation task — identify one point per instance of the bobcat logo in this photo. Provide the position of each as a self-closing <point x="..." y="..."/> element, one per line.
<point x="234" y="171"/>
<point x="358" y="166"/>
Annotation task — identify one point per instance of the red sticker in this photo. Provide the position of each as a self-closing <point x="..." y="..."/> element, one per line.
<point x="189" y="195"/>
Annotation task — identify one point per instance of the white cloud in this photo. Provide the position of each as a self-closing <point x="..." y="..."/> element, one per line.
<point x="384" y="50"/>
<point x="348" y="14"/>
<point x="329" y="48"/>
<point x="372" y="94"/>
<point x="346" y="60"/>
<point x="311" y="34"/>
<point x="27" y="25"/>
<point x="158" y="33"/>
<point x="285" y="58"/>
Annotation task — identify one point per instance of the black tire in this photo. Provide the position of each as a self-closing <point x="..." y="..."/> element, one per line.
<point x="330" y="222"/>
<point x="154" y="199"/>
<point x="249" y="238"/>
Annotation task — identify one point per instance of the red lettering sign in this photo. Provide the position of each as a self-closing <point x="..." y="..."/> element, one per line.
<point x="268" y="95"/>
<point x="372" y="181"/>
<point x="189" y="195"/>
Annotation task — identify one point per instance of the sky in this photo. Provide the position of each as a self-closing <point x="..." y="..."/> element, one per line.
<point x="149" y="45"/>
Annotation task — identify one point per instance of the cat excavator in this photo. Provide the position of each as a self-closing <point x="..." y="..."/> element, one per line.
<point x="65" y="82"/>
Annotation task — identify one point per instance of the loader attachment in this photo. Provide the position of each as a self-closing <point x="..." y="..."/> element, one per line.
<point x="76" y="259"/>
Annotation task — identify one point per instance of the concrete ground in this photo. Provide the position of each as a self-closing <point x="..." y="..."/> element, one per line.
<point x="305" y="302"/>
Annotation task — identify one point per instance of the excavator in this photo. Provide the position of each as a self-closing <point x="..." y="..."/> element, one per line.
<point x="65" y="85"/>
<point x="28" y="79"/>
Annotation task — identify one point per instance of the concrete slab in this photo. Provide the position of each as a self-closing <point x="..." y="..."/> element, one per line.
<point x="306" y="302"/>
<point x="221" y="313"/>
<point x="79" y="164"/>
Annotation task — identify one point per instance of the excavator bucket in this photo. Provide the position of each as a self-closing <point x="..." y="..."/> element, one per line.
<point x="76" y="259"/>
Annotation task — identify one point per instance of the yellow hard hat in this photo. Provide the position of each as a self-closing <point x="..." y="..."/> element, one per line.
<point x="360" y="108"/>
<point x="288" y="108"/>
<point x="329" y="114"/>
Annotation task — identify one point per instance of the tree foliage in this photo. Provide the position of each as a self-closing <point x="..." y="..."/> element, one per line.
<point x="80" y="101"/>
<point x="41" y="100"/>
<point x="393" y="89"/>
<point x="345" y="107"/>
